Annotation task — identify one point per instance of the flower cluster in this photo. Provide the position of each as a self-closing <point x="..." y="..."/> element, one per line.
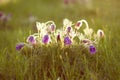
<point x="48" y="34"/>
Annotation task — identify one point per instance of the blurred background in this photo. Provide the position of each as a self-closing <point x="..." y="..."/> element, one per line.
<point x="18" y="17"/>
<point x="17" y="22"/>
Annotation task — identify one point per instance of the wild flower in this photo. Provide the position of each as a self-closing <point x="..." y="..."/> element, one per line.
<point x="67" y="41"/>
<point x="68" y="29"/>
<point x="92" y="49"/>
<point x="52" y="27"/>
<point x="58" y="37"/>
<point x="31" y="40"/>
<point x="46" y="39"/>
<point x="78" y="25"/>
<point x="100" y="33"/>
<point x="47" y="33"/>
<point x="19" y="46"/>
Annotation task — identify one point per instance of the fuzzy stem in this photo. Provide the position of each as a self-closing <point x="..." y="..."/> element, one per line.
<point x="49" y="22"/>
<point x="85" y="22"/>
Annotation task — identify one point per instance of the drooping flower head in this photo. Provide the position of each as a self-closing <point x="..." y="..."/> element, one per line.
<point x="58" y="37"/>
<point x="49" y="27"/>
<point x="68" y="29"/>
<point x="31" y="39"/>
<point x="78" y="25"/>
<point x="52" y="26"/>
<point x="19" y="46"/>
<point x="92" y="49"/>
<point x="46" y="39"/>
<point x="67" y="41"/>
<point x="100" y="33"/>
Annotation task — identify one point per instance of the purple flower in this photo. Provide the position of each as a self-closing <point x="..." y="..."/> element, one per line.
<point x="68" y="29"/>
<point x="58" y="38"/>
<point x="67" y="41"/>
<point x="92" y="49"/>
<point x="78" y="25"/>
<point x="52" y="27"/>
<point x="31" y="39"/>
<point x="45" y="39"/>
<point x="19" y="46"/>
<point x="100" y="33"/>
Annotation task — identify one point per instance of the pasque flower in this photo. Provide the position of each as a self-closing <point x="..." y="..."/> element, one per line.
<point x="67" y="41"/>
<point x="78" y="25"/>
<point x="52" y="26"/>
<point x="68" y="29"/>
<point x="31" y="39"/>
<point x="46" y="39"/>
<point x="67" y="35"/>
<point x="92" y="49"/>
<point x="58" y="37"/>
<point x="100" y="33"/>
<point x="19" y="46"/>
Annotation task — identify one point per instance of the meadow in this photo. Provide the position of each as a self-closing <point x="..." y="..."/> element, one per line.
<point x="45" y="63"/>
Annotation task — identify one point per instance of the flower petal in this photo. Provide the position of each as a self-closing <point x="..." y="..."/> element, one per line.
<point x="92" y="49"/>
<point x="31" y="39"/>
<point x="100" y="33"/>
<point x="67" y="41"/>
<point x="19" y="46"/>
<point x="46" y="39"/>
<point x="78" y="25"/>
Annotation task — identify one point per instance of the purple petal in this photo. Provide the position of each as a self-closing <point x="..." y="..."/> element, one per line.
<point x="31" y="39"/>
<point x="52" y="27"/>
<point x="58" y="38"/>
<point x="92" y="49"/>
<point x="68" y="29"/>
<point x="19" y="46"/>
<point x="67" y="41"/>
<point x="78" y="24"/>
<point x="45" y="39"/>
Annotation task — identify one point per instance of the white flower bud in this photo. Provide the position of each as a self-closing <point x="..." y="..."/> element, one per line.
<point x="100" y="33"/>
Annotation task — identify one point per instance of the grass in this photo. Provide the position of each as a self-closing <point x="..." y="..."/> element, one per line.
<point x="51" y="62"/>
